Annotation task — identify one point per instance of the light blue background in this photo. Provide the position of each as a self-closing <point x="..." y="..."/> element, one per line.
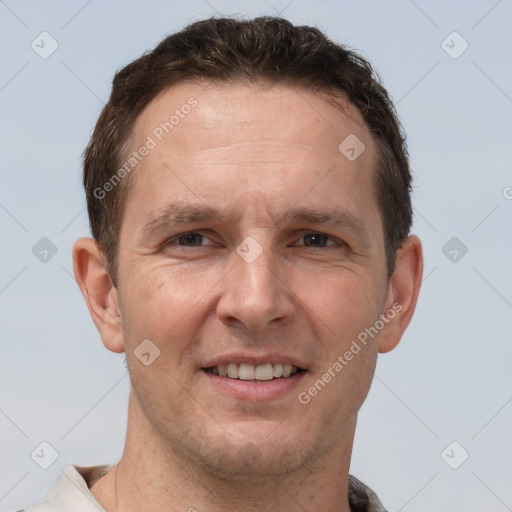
<point x="450" y="378"/>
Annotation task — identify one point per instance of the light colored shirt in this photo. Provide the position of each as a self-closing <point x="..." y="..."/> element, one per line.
<point x="70" y="493"/>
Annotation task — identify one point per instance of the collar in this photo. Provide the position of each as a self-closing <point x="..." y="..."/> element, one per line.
<point x="71" y="492"/>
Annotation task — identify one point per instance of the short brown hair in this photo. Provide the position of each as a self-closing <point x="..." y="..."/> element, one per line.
<point x="269" y="50"/>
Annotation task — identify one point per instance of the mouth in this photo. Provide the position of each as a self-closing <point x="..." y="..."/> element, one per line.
<point x="254" y="373"/>
<point x="255" y="380"/>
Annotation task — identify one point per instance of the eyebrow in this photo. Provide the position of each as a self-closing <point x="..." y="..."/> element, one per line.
<point x="176" y="214"/>
<point x="182" y="214"/>
<point x="331" y="217"/>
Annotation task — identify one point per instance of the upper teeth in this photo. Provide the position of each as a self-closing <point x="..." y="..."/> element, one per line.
<point x="246" y="371"/>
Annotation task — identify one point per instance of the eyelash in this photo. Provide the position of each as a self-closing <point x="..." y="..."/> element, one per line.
<point x="335" y="241"/>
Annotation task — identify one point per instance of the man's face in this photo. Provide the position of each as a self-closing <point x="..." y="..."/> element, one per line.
<point x="259" y="281"/>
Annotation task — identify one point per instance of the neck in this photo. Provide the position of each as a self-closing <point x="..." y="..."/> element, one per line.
<point x="152" y="476"/>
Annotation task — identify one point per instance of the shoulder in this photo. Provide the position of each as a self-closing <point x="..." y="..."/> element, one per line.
<point x="362" y="498"/>
<point x="42" y="507"/>
<point x="70" y="493"/>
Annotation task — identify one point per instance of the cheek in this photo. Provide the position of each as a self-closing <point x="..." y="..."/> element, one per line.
<point x="343" y="311"/>
<point x="163" y="303"/>
<point x="340" y="382"/>
<point x="343" y="301"/>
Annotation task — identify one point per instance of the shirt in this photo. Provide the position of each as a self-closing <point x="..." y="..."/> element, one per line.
<point x="70" y="493"/>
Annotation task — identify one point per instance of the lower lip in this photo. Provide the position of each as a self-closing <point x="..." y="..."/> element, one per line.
<point x="249" y="390"/>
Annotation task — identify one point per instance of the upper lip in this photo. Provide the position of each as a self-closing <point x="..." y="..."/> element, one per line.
<point x="256" y="360"/>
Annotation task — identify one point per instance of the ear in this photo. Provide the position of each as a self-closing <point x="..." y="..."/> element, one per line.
<point x="100" y="295"/>
<point x="403" y="292"/>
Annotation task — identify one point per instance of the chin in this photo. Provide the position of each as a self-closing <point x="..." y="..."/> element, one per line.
<point x="243" y="458"/>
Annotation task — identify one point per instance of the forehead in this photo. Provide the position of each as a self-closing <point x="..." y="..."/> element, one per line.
<point x="236" y="143"/>
<point x="313" y="119"/>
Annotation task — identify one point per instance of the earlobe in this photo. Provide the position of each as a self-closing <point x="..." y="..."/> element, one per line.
<point x="403" y="292"/>
<point x="98" y="291"/>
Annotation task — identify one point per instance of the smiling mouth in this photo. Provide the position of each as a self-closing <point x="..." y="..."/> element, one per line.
<point x="251" y="372"/>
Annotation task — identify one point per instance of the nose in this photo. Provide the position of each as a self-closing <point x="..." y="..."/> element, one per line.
<point x="255" y="293"/>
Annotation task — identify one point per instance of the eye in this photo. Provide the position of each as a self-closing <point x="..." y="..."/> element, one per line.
<point x="317" y="240"/>
<point x="191" y="239"/>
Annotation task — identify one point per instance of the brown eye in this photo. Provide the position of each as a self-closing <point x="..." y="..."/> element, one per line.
<point x="190" y="239"/>
<point x="316" y="240"/>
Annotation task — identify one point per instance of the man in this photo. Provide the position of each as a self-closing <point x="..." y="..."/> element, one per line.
<point x="248" y="192"/>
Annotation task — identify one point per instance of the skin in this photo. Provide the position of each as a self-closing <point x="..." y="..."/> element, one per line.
<point x="254" y="153"/>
